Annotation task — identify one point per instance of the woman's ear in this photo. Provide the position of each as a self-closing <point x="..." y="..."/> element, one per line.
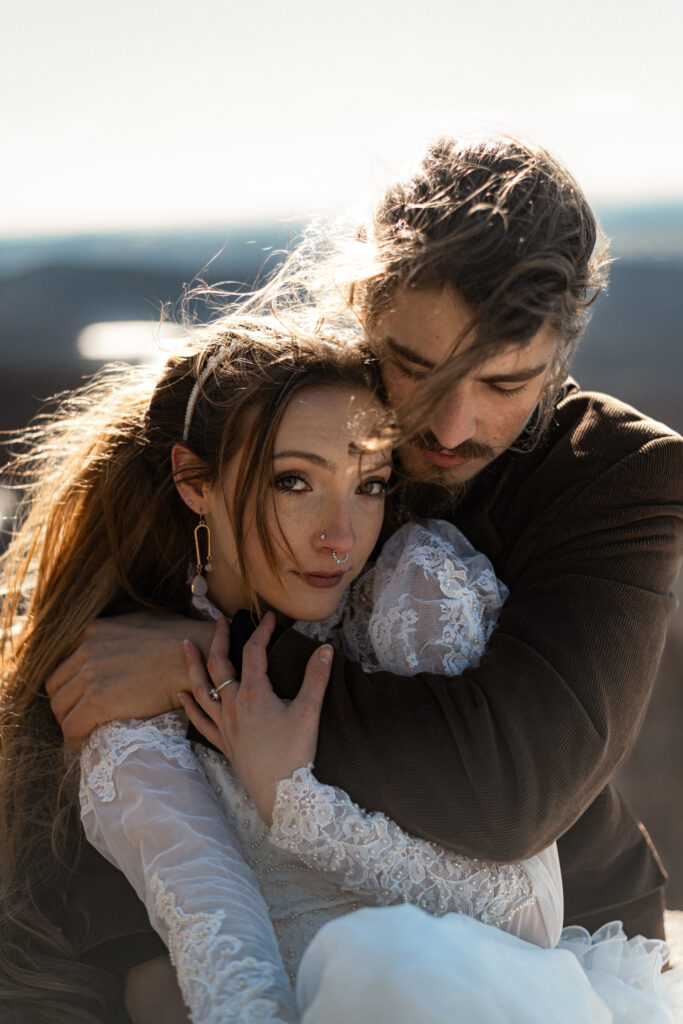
<point x="189" y="476"/>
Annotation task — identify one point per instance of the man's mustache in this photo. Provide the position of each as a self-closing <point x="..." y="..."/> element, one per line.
<point x="466" y="450"/>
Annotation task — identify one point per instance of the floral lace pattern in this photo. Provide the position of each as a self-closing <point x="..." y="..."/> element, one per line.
<point x="147" y="806"/>
<point x="300" y="899"/>
<point x="369" y="854"/>
<point x="206" y="965"/>
<point x="109" y="745"/>
<point x="430" y="605"/>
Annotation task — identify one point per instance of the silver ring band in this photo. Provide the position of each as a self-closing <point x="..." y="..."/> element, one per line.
<point x="215" y="690"/>
<point x="338" y="560"/>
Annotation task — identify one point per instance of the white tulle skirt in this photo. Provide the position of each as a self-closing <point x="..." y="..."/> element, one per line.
<point x="398" y="965"/>
<point x="627" y="973"/>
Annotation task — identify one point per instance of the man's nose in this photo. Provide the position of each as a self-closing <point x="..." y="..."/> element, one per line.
<point x="454" y="420"/>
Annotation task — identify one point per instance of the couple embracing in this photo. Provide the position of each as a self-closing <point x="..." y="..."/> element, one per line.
<point x="455" y="751"/>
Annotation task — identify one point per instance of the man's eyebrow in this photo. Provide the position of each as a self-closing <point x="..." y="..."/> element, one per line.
<point x="516" y="377"/>
<point x="407" y="353"/>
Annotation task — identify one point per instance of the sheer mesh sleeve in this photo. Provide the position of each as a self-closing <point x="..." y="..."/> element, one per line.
<point x="147" y="806"/>
<point x="370" y="855"/>
<point x="435" y="601"/>
<point x="429" y="604"/>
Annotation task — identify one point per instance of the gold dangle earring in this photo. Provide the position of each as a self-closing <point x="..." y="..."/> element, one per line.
<point x="199" y="586"/>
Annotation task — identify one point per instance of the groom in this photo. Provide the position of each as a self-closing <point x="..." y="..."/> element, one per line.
<point x="488" y="264"/>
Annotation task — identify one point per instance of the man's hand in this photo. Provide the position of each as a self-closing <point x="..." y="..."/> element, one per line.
<point x="264" y="738"/>
<point x="127" y="666"/>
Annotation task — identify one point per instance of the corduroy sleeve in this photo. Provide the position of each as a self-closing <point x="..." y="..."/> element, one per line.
<point x="499" y="762"/>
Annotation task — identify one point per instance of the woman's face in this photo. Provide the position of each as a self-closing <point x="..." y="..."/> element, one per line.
<point x="324" y="497"/>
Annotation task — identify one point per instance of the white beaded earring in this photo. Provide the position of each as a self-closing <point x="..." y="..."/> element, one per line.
<point x="199" y="586"/>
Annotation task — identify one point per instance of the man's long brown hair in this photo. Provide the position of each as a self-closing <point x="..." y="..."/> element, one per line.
<point x="497" y="220"/>
<point x="101" y="524"/>
<point x="505" y="226"/>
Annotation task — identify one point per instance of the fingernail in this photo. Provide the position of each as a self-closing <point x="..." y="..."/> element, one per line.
<point x="181" y="697"/>
<point x="325" y="654"/>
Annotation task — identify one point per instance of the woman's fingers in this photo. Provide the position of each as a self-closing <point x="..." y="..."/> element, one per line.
<point x="316" y="678"/>
<point x="306" y="707"/>
<point x="204" y="713"/>
<point x="201" y="721"/>
<point x="200" y="682"/>
<point x="255" y="655"/>
<point x="218" y="663"/>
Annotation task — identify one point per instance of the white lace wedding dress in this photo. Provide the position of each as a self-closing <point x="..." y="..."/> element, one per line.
<point x="234" y="900"/>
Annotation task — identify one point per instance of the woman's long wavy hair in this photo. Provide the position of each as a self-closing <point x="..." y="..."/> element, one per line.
<point x="101" y="524"/>
<point x="499" y="221"/>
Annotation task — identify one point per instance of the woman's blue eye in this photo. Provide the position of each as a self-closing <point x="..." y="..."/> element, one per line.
<point x="290" y="482"/>
<point x="374" y="488"/>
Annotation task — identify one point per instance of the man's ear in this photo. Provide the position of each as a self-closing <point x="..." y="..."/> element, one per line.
<point x="189" y="476"/>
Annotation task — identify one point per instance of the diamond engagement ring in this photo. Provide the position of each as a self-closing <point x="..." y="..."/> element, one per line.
<point x="215" y="690"/>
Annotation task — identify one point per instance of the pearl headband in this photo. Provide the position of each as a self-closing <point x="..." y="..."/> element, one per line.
<point x="219" y="356"/>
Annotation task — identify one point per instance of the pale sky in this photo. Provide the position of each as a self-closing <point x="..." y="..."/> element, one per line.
<point x="137" y="113"/>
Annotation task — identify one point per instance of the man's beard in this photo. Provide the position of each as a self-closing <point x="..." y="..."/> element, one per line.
<point x="433" y="493"/>
<point x="420" y="499"/>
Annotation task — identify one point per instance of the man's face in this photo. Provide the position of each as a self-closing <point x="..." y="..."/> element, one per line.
<point x="484" y="411"/>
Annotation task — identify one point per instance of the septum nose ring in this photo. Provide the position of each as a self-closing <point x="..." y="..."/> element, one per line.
<point x="338" y="560"/>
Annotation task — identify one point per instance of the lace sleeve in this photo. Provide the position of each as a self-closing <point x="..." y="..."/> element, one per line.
<point x="147" y="806"/>
<point x="429" y="604"/>
<point x="435" y="601"/>
<point x="370" y="855"/>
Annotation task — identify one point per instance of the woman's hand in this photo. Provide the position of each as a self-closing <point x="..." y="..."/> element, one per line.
<point x="126" y="666"/>
<point x="264" y="738"/>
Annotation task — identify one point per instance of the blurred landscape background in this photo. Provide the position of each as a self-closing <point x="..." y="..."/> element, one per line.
<point x="53" y="290"/>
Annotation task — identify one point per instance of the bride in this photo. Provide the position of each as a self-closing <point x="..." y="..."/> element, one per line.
<point x="102" y="525"/>
<point x="274" y="445"/>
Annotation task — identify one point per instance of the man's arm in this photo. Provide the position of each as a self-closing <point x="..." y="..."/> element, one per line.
<point x="502" y="760"/>
<point x="127" y="666"/>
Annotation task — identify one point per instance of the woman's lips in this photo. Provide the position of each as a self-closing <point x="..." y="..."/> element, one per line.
<point x="324" y="581"/>
<point x="444" y="459"/>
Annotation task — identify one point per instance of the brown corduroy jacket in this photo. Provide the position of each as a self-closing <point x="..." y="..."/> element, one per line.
<point x="587" y="533"/>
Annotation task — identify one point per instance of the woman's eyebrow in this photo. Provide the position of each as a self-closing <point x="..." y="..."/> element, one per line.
<point x="318" y="460"/>
<point x="293" y="453"/>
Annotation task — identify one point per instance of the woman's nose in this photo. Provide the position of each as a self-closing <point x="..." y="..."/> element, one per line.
<point x="338" y="534"/>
